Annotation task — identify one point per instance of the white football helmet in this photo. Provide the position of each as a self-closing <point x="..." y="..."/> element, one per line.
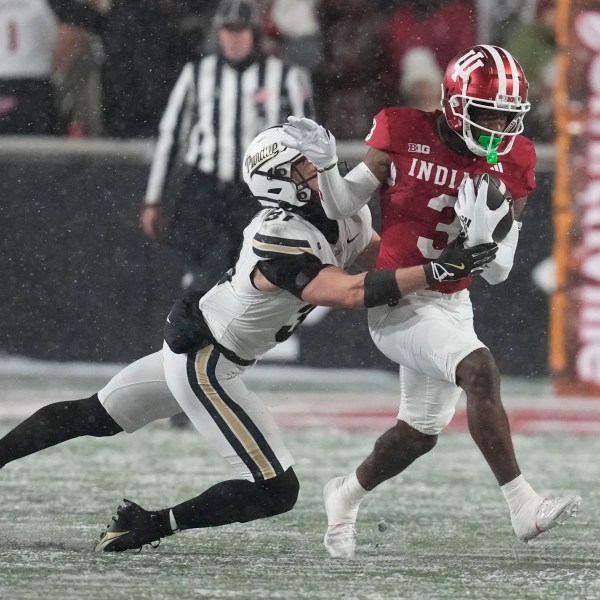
<point x="267" y="169"/>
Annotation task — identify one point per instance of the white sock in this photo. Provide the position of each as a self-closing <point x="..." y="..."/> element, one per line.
<point x="517" y="492"/>
<point x="344" y="508"/>
<point x="173" y="522"/>
<point x="353" y="491"/>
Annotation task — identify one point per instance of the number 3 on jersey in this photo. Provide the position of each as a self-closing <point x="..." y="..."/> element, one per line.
<point x="449" y="229"/>
<point x="286" y="331"/>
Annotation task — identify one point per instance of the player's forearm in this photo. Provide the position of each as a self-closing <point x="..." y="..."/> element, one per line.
<point x="345" y="196"/>
<point x="335" y="288"/>
<point x="499" y="269"/>
<point x="411" y="279"/>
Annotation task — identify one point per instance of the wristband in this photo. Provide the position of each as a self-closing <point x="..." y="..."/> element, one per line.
<point x="322" y="170"/>
<point x="381" y="288"/>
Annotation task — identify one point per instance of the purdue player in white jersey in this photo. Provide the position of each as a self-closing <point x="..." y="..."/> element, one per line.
<point x="292" y="258"/>
<point x="251" y="320"/>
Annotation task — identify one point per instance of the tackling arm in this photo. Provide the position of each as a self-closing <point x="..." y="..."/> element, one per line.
<point x="327" y="285"/>
<point x="335" y="288"/>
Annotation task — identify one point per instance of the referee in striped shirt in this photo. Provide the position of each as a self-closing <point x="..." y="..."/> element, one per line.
<point x="218" y="105"/>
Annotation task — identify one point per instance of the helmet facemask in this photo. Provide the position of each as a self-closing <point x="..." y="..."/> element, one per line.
<point x="488" y="141"/>
<point x="303" y="186"/>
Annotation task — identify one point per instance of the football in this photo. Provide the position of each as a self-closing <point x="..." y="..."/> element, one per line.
<point x="497" y="194"/>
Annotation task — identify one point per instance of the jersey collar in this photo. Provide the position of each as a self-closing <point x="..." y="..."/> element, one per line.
<point x="313" y="212"/>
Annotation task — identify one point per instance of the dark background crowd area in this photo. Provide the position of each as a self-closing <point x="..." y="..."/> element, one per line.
<point x="115" y="62"/>
<point x="111" y="77"/>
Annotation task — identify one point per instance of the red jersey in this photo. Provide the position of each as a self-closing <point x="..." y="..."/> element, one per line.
<point x="417" y="203"/>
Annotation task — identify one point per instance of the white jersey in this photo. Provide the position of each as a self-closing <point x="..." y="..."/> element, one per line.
<point x="251" y="322"/>
<point x="28" y="30"/>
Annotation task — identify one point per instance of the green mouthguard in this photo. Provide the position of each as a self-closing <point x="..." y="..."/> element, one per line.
<point x="491" y="147"/>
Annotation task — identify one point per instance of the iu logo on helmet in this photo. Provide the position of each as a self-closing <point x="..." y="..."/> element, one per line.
<point x="466" y="64"/>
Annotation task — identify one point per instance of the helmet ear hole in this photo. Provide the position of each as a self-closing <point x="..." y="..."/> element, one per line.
<point x="303" y="196"/>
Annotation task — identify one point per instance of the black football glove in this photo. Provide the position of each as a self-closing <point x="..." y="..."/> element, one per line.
<point x="456" y="262"/>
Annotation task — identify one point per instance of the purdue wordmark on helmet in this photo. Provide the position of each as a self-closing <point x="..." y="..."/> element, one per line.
<point x="267" y="170"/>
<point x="251" y="161"/>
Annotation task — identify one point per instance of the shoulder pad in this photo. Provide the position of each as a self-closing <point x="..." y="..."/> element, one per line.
<point x="282" y="236"/>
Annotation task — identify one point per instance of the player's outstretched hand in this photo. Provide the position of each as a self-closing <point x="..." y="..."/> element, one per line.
<point x="457" y="262"/>
<point x="311" y="140"/>
<point x="477" y="220"/>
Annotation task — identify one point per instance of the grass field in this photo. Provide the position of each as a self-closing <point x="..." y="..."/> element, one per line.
<point x="447" y="537"/>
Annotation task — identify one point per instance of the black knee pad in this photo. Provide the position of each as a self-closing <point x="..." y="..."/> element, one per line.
<point x="282" y="490"/>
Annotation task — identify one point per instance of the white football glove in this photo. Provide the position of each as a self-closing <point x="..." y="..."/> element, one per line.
<point x="478" y="221"/>
<point x="311" y="140"/>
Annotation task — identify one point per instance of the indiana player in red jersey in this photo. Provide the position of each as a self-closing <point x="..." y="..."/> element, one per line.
<point x="421" y="162"/>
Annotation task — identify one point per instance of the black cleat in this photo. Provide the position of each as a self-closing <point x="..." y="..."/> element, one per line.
<point x="132" y="528"/>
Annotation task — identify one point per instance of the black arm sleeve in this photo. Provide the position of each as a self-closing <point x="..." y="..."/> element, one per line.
<point x="292" y="273"/>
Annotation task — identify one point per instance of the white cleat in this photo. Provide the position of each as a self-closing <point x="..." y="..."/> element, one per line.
<point x="542" y="514"/>
<point x="340" y="540"/>
<point x="340" y="537"/>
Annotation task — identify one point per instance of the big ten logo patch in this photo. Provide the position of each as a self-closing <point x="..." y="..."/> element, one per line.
<point x="419" y="148"/>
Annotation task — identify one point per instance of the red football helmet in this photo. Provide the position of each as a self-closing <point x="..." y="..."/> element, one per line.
<point x="485" y="77"/>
